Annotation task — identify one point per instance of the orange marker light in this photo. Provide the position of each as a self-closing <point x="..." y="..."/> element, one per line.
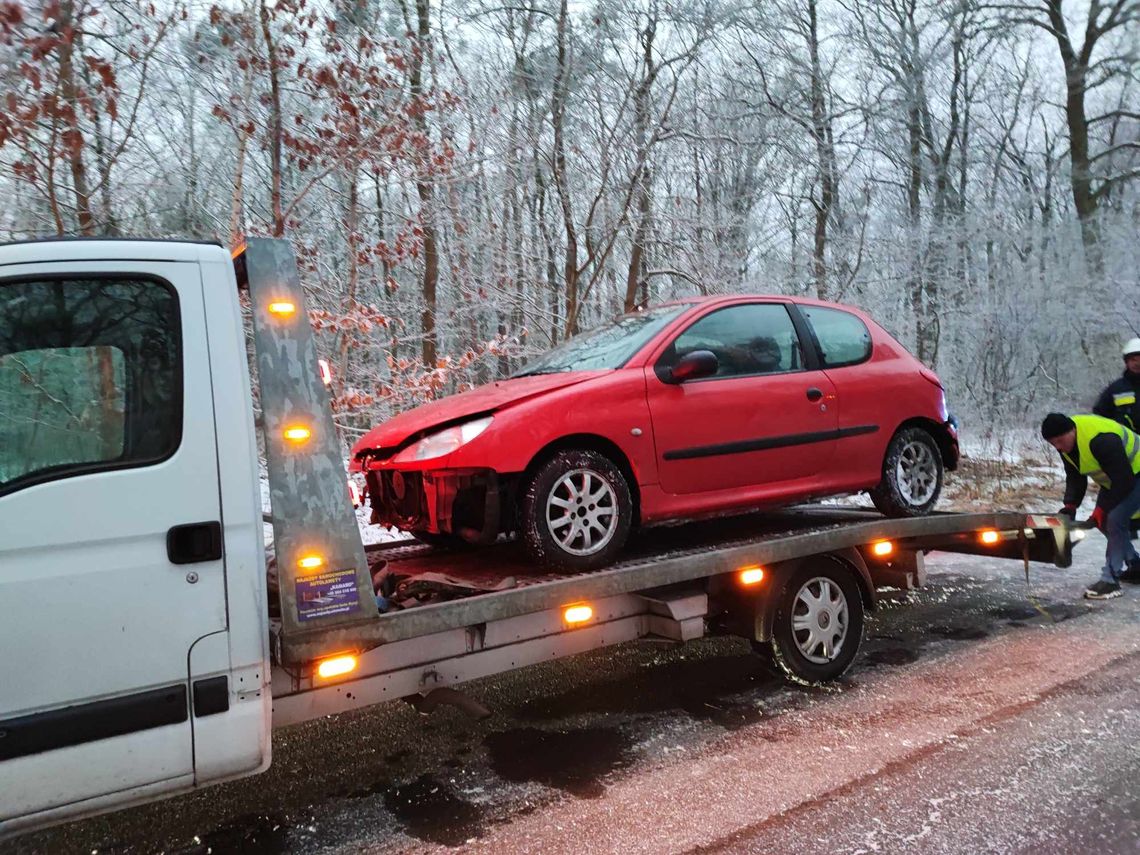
<point x="282" y="309"/>
<point x="310" y="562"/>
<point x="883" y="548"/>
<point x="751" y="575"/>
<point x="989" y="537"/>
<point x="297" y="434"/>
<point x="337" y="666"/>
<point x="578" y="614"/>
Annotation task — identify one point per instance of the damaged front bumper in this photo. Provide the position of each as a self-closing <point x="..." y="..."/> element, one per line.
<point x="463" y="502"/>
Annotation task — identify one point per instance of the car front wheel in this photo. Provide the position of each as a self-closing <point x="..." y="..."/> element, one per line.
<point x="576" y="511"/>
<point x="912" y="475"/>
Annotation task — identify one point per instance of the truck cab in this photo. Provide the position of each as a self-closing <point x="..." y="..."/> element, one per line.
<point x="132" y="569"/>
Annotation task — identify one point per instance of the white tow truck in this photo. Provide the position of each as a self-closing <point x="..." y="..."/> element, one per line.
<point x="144" y="650"/>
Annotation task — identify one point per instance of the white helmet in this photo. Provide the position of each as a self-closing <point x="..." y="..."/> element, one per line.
<point x="1131" y="347"/>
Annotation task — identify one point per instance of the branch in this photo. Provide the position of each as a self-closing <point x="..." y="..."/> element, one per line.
<point x="1113" y="180"/>
<point x="1108" y="152"/>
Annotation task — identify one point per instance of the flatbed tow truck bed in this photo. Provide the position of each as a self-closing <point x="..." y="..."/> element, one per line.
<point x="493" y="611"/>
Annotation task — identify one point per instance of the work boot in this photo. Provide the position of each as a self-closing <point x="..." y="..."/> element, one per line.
<point x="1102" y="590"/>
<point x="1131" y="575"/>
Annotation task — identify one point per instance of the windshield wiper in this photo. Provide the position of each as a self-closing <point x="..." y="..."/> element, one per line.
<point x="535" y="373"/>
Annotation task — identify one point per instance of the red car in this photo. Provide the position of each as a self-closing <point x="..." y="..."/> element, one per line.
<point x="698" y="407"/>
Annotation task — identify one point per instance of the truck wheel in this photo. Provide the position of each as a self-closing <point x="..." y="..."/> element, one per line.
<point x="912" y="475"/>
<point x="576" y="511"/>
<point x="818" y="624"/>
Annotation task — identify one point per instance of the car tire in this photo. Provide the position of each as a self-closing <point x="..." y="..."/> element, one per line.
<point x="818" y="623"/>
<point x="561" y="527"/>
<point x="912" y="475"/>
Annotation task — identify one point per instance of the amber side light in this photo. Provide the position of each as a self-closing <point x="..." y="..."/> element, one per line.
<point x="578" y="614"/>
<point x="336" y="666"/>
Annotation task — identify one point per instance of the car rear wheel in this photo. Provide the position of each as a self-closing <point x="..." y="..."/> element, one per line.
<point x="912" y="475"/>
<point x="576" y="511"/>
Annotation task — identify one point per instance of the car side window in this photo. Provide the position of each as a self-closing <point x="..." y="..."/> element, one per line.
<point x="90" y="377"/>
<point x="757" y="338"/>
<point x="843" y="338"/>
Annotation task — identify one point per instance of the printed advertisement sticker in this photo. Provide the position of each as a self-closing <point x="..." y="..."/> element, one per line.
<point x="326" y="594"/>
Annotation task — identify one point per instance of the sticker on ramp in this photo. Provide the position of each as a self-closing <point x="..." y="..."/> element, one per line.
<point x="327" y="594"/>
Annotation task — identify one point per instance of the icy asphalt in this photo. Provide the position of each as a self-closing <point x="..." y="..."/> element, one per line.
<point x="969" y="723"/>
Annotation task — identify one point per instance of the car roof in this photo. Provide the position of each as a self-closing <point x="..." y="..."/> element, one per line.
<point x="713" y="299"/>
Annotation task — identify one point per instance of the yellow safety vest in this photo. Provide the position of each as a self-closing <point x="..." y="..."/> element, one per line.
<point x="1088" y="429"/>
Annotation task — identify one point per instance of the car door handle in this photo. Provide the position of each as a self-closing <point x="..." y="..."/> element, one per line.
<point x="193" y="543"/>
<point x="814" y="394"/>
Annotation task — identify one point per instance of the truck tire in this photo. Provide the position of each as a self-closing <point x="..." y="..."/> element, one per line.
<point x="912" y="475"/>
<point x="818" y="623"/>
<point x="576" y="511"/>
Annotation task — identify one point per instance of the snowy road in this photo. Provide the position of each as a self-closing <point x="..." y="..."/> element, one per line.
<point x="970" y="723"/>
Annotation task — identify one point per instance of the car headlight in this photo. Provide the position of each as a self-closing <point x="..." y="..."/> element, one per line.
<point x="443" y="442"/>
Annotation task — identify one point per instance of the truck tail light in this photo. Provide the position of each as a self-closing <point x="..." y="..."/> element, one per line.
<point x="336" y="666"/>
<point x="310" y="562"/>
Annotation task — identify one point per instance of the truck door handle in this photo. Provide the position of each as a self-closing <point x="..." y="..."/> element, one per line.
<point x="814" y="394"/>
<point x="194" y="542"/>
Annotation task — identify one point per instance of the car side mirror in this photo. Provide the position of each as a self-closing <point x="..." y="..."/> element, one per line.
<point x="694" y="366"/>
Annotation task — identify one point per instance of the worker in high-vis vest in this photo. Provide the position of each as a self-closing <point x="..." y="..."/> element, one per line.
<point x="1118" y="401"/>
<point x="1109" y="453"/>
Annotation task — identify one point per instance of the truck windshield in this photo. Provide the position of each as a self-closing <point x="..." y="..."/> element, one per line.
<point x="610" y="346"/>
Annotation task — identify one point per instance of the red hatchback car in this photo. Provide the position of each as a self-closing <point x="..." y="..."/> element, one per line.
<point x="694" y="408"/>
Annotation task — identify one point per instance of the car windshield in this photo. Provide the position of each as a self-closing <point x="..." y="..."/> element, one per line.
<point x="610" y="346"/>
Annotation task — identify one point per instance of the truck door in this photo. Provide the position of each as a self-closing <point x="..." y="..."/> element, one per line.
<point x="111" y="570"/>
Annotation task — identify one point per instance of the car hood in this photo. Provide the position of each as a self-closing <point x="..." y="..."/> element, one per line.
<point x="457" y="408"/>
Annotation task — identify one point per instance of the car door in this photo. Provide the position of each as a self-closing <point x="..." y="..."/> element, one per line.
<point x="872" y="394"/>
<point x="111" y="571"/>
<point x="763" y="418"/>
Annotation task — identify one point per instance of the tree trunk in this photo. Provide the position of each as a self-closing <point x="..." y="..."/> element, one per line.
<point x="825" y="154"/>
<point x="425" y="192"/>
<point x="351" y="228"/>
<point x="276" y="204"/>
<point x="561" y="179"/>
<point x="73" y="139"/>
<point x="636" y="273"/>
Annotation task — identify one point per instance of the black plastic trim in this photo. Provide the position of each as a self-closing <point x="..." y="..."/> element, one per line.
<point x="62" y="728"/>
<point x="768" y="443"/>
<point x="211" y="696"/>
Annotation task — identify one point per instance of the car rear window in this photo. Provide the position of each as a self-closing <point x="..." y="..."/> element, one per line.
<point x="843" y="338"/>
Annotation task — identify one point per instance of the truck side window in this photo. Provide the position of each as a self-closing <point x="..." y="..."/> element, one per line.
<point x="90" y="377"/>
<point x="843" y="338"/>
